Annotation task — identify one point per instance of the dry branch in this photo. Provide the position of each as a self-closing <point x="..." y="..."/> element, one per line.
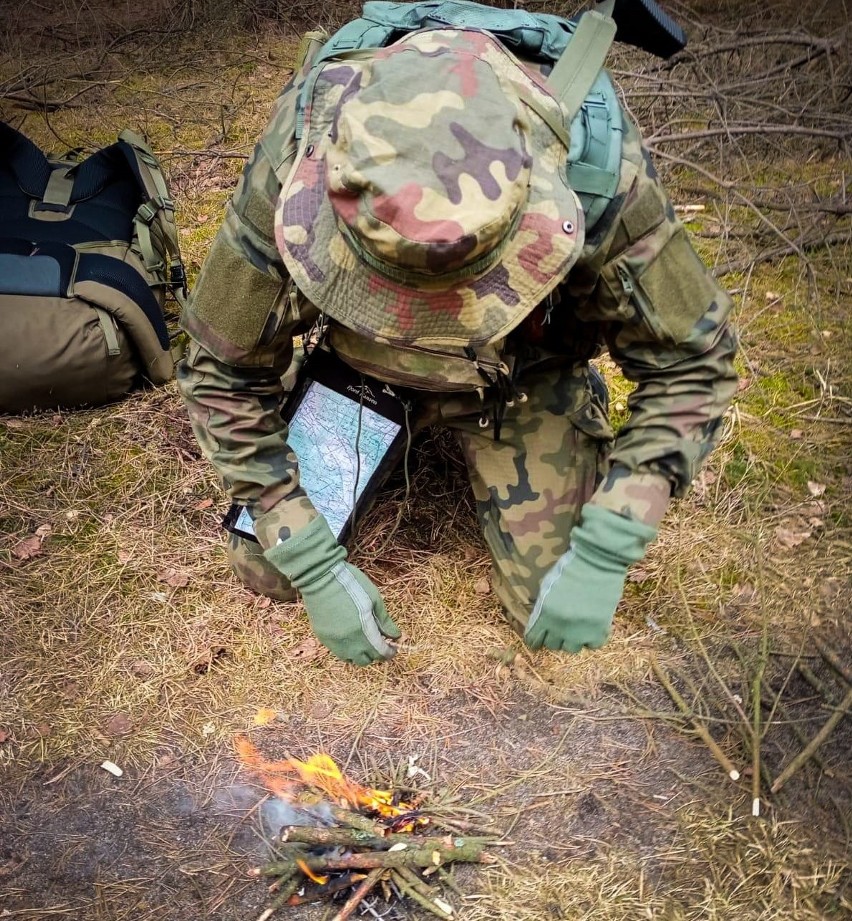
<point x="702" y="731"/>
<point x="358" y="895"/>
<point x="833" y="661"/>
<point x="347" y="837"/>
<point x="818" y="740"/>
<point x="468" y="851"/>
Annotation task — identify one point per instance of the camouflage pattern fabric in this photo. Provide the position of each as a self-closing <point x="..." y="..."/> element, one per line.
<point x="529" y="486"/>
<point x="252" y="568"/>
<point x="450" y="242"/>
<point x="637" y="289"/>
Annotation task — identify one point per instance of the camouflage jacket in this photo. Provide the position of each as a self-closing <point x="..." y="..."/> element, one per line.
<point x="638" y="288"/>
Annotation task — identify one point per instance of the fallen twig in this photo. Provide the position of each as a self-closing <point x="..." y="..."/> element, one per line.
<point x="818" y="740"/>
<point x="833" y="661"/>
<point x="699" y="727"/>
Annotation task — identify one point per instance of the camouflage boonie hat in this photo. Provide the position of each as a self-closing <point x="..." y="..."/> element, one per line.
<point x="428" y="203"/>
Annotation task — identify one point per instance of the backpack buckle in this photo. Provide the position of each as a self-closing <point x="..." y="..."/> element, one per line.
<point x="177" y="277"/>
<point x="148" y="211"/>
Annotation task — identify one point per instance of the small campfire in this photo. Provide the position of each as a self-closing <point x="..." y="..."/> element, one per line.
<point x="344" y="843"/>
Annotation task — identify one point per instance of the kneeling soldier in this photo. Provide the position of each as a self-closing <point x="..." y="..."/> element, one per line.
<point x="425" y="200"/>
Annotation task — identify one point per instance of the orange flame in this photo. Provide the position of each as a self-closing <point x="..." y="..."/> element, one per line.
<point x="321" y="880"/>
<point x="319" y="772"/>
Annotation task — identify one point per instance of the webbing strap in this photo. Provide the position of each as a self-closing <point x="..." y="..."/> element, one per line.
<point x="59" y="187"/>
<point x="579" y="65"/>
<point x="554" y="122"/>
<point x="108" y="327"/>
<point x="159" y="210"/>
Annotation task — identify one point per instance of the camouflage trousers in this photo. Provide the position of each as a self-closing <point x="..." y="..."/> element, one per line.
<point x="529" y="486"/>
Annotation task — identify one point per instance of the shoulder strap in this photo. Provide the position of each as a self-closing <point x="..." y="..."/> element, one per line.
<point x="581" y="62"/>
<point x="159" y="210"/>
<point x="27" y="162"/>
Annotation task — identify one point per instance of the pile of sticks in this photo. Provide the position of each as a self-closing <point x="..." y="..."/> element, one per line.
<point x="361" y="856"/>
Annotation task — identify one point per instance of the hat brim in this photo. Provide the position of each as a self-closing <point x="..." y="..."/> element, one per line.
<point x="546" y="242"/>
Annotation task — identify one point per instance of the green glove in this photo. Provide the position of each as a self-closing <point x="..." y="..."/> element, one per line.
<point x="346" y="611"/>
<point x="579" y="594"/>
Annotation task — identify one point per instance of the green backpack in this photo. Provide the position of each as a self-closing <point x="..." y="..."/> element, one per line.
<point x="88" y="251"/>
<point x="596" y="125"/>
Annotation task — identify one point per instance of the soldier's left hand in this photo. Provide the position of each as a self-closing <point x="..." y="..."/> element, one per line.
<point x="580" y="593"/>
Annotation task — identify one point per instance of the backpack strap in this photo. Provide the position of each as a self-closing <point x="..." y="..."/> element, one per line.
<point x="60" y="185"/>
<point x="158" y="211"/>
<point x="25" y="160"/>
<point x="579" y="65"/>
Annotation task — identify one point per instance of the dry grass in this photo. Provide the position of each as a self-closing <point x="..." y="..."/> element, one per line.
<point x="126" y="638"/>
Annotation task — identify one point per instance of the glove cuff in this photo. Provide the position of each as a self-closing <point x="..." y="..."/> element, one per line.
<point x="308" y="555"/>
<point x="604" y="537"/>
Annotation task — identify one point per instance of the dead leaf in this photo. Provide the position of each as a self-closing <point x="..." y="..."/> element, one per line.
<point x="816" y="489"/>
<point x="70" y="690"/>
<point x="789" y="537"/>
<point x="174" y="577"/>
<point x="213" y="655"/>
<point x="320" y="710"/>
<point x="142" y="669"/>
<point x="482" y="586"/>
<point x="744" y="591"/>
<point x="264" y="716"/>
<point x="202" y="505"/>
<point x="118" y="724"/>
<point x="796" y="434"/>
<point x="638" y="575"/>
<point x="27" y="548"/>
<point x="308" y="650"/>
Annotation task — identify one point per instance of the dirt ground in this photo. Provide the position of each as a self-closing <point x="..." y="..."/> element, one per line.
<point x="124" y="637"/>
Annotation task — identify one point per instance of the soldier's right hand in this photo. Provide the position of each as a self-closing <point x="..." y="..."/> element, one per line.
<point x="347" y="613"/>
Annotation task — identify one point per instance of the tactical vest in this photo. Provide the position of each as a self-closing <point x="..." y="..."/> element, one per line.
<point x="88" y="250"/>
<point x="577" y="50"/>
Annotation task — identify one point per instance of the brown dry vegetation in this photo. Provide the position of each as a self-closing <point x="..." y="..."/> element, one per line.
<point x="125" y="637"/>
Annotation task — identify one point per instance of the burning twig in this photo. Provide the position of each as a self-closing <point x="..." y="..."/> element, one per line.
<point x="320" y="893"/>
<point x="466" y="850"/>
<point x="355" y="837"/>
<point x="347" y="837"/>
